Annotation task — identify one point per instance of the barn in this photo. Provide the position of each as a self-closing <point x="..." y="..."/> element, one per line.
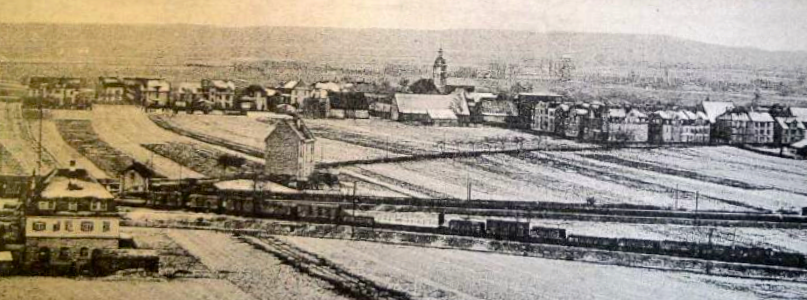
<point x="440" y="110"/>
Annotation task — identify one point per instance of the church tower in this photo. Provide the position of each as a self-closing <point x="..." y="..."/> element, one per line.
<point x="439" y="71"/>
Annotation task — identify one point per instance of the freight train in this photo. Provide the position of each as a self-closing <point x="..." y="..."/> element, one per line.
<point x="521" y="231"/>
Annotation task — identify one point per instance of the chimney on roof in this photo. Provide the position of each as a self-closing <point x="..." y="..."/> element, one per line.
<point x="72" y="166"/>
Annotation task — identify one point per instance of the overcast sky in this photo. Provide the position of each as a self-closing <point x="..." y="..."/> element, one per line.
<point x="771" y="24"/>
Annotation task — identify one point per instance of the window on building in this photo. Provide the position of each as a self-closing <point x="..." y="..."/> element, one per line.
<point x="72" y="205"/>
<point x="107" y="226"/>
<point x="44" y="205"/>
<point x="39" y="226"/>
<point x="64" y="253"/>
<point x="84" y="252"/>
<point x="57" y="226"/>
<point x="86" y="226"/>
<point x="68" y="225"/>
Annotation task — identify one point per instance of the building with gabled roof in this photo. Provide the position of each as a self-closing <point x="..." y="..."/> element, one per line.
<point x="110" y="90"/>
<point x="430" y="109"/>
<point x="713" y="109"/>
<point x="289" y="151"/>
<point x="788" y="130"/>
<point x="71" y="219"/>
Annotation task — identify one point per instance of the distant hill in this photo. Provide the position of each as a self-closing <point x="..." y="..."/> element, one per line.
<point x="167" y="44"/>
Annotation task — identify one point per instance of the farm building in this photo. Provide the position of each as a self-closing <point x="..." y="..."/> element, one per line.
<point x="110" y="90"/>
<point x="628" y="126"/>
<point x="450" y="110"/>
<point x="289" y="151"/>
<point x="72" y="220"/>
<point x="474" y="99"/>
<point x="221" y="92"/>
<point x="380" y="105"/>
<point x="297" y="92"/>
<point x="800" y="113"/>
<point x="788" y="130"/>
<point x="594" y="124"/>
<point x="136" y="178"/>
<point x="347" y="105"/>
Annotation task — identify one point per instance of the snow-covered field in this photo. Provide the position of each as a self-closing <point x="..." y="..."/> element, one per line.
<point x="248" y="131"/>
<point x="428" y="273"/>
<point x="416" y="139"/>
<point x="256" y="272"/>
<point x="21" y="154"/>
<point x="49" y="288"/>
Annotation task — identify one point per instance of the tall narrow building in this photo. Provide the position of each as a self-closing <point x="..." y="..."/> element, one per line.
<point x="439" y="71"/>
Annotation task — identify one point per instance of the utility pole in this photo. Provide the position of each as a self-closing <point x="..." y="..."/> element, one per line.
<point x="697" y="196"/>
<point x="39" y="161"/>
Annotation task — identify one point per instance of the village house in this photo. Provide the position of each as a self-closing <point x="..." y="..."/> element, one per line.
<point x="732" y="127"/>
<point x="136" y="178"/>
<point x="537" y="110"/>
<point x="350" y="105"/>
<point x="762" y="127"/>
<point x="492" y="111"/>
<point x="799" y="113"/>
<point x="110" y="90"/>
<point x="187" y="93"/>
<point x="440" y="110"/>
<point x="788" y="130"/>
<point x="682" y="126"/>
<point x="474" y="98"/>
<point x="594" y="126"/>
<point x="220" y="92"/>
<point x="72" y="220"/>
<point x="260" y="98"/>
<point x="62" y="92"/>
<point x="148" y="92"/>
<point x="296" y="91"/>
<point x="570" y="120"/>
<point x="289" y="151"/>
<point x="630" y="126"/>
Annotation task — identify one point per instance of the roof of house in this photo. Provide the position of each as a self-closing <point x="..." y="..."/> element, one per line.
<point x="142" y="169"/>
<point x="441" y="114"/>
<point x="800" y="113"/>
<point x="293" y="84"/>
<point x="109" y="82"/>
<point x="421" y="103"/>
<point x="760" y="117"/>
<point x="477" y="97"/>
<point x="617" y="112"/>
<point x="497" y="108"/>
<point x="713" y="109"/>
<point x="222" y="84"/>
<point x="539" y="94"/>
<point x="785" y="122"/>
<point x="636" y="113"/>
<point x="159" y="85"/>
<point x="250" y="185"/>
<point x="296" y="125"/>
<point x="189" y="87"/>
<point x="328" y="85"/>
<point x="73" y="183"/>
<point x="800" y="144"/>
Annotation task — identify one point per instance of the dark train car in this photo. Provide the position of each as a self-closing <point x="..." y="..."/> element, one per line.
<point x="593" y="242"/>
<point x="677" y="247"/>
<point x="279" y="210"/>
<point x="640" y="245"/>
<point x="548" y="233"/>
<point x="319" y="212"/>
<point x="359" y="221"/>
<point x="466" y="227"/>
<point x="203" y="202"/>
<point x="507" y="229"/>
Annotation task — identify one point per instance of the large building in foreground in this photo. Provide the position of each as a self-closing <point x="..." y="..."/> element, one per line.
<point x="289" y="151"/>
<point x="71" y="220"/>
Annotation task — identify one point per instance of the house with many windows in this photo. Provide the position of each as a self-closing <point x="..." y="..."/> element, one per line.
<point x="71" y="220"/>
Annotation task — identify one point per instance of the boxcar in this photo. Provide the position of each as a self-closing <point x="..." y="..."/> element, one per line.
<point x="548" y="233"/>
<point x="465" y="227"/>
<point x="507" y="229"/>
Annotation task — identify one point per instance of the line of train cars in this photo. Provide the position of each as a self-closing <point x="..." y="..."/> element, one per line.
<point x="521" y="231"/>
<point x="285" y="210"/>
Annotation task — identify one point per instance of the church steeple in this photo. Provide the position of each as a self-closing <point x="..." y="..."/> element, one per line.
<point x="439" y="70"/>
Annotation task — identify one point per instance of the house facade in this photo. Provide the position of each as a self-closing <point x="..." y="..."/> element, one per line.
<point x="630" y="126"/>
<point x="136" y="178"/>
<point x="220" y="92"/>
<point x="440" y="110"/>
<point x="788" y="130"/>
<point x="70" y="221"/>
<point x="110" y="90"/>
<point x="289" y="150"/>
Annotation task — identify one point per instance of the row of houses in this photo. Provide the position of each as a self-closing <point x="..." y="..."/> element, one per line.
<point x="709" y="122"/>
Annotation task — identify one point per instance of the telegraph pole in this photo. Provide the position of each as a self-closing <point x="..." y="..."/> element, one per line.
<point x="39" y="161"/>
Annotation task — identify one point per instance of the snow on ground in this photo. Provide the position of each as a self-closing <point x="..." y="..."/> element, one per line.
<point x="772" y="199"/>
<point x="503" y="177"/>
<point x="429" y="273"/>
<point x="417" y="139"/>
<point x="54" y="143"/>
<point x="18" y="145"/>
<point x="248" y="131"/>
<point x="47" y="288"/>
<point x="254" y="271"/>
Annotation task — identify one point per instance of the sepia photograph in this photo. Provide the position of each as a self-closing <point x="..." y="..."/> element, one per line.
<point x="403" y="149"/>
